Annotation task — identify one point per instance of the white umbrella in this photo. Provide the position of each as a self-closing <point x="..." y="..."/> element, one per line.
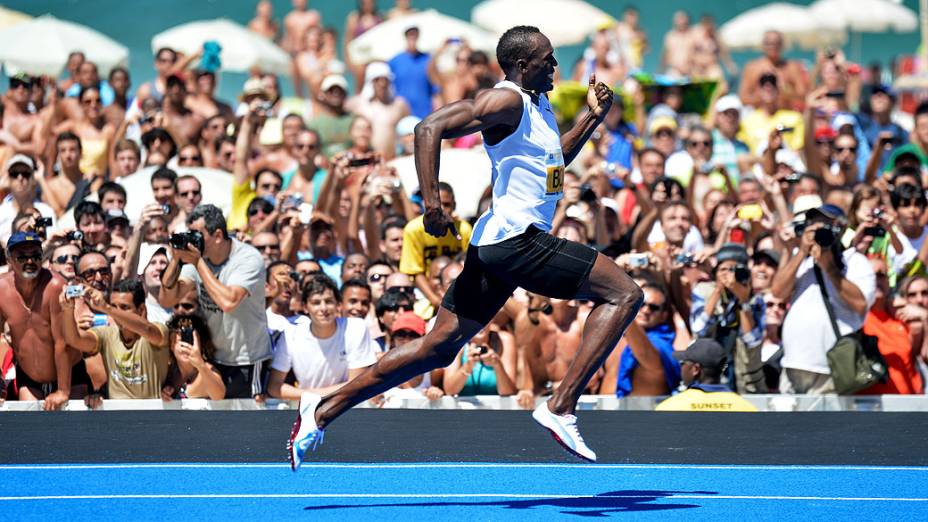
<point x="798" y="25"/>
<point x="41" y="47"/>
<point x="10" y="17"/>
<point x="866" y="16"/>
<point x="217" y="188"/>
<point x="241" y="49"/>
<point x="466" y="170"/>
<point x="386" y="40"/>
<point x="564" y="22"/>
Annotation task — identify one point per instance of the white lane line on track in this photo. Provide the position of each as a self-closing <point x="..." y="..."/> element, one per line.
<point x="457" y="495"/>
<point x="488" y="465"/>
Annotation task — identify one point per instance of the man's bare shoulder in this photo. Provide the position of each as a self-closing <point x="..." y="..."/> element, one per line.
<point x="497" y="99"/>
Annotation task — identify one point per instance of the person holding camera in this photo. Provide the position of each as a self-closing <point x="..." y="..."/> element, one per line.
<point x="817" y="258"/>
<point x="728" y="311"/>
<point x="479" y="368"/>
<point x="19" y="179"/>
<point x="195" y="375"/>
<point x="229" y="276"/>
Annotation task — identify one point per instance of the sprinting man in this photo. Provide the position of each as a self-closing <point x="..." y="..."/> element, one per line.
<point x="510" y="246"/>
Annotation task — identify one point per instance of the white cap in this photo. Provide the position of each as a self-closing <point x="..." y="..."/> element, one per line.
<point x="334" y="80"/>
<point x="407" y="125"/>
<point x="376" y="70"/>
<point x="148" y="251"/>
<point x="728" y="102"/>
<point x="806" y="202"/>
<point x="19" y="159"/>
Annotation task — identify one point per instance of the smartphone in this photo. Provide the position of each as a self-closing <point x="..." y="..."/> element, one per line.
<point x="73" y="291"/>
<point x="750" y="213"/>
<point x="186" y="334"/>
<point x="638" y="260"/>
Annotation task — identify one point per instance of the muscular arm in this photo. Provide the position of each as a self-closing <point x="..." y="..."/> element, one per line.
<point x="784" y="281"/>
<point x="491" y="108"/>
<point x="62" y="358"/>
<point x="172" y="287"/>
<point x="227" y="298"/>
<point x="136" y="324"/>
<point x="847" y="291"/>
<point x="74" y="336"/>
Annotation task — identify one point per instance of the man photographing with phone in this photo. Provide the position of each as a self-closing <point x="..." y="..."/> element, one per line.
<point x="818" y="258"/>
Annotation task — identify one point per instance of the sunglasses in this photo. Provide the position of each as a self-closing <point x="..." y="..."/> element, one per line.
<point x="190" y="194"/>
<point x="20" y="174"/>
<point x="770" y="304"/>
<point x="310" y="146"/>
<point x="92" y="272"/>
<point x="703" y="143"/>
<point x="409" y="334"/>
<point x="663" y="134"/>
<point x="654" y="307"/>
<point x="65" y="259"/>
<point x="910" y="203"/>
<point x="22" y="258"/>
<point x="267" y="247"/>
<point x="16" y="84"/>
<point x="399" y="308"/>
<point x="254" y="211"/>
<point x="185" y="306"/>
<point x="846" y="149"/>
<point x="401" y="289"/>
<point x="375" y="278"/>
<point x="189" y="158"/>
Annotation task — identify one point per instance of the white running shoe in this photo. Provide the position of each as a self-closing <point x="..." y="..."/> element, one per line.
<point x="564" y="430"/>
<point x="304" y="433"/>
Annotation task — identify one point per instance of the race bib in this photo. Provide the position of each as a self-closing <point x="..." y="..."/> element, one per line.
<point x="554" y="166"/>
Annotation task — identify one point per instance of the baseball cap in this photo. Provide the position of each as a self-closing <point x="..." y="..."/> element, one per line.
<point x="767" y="254"/>
<point x="376" y="70"/>
<point x="408" y="321"/>
<point x="728" y="102"/>
<point x="827" y="210"/>
<point x="843" y="119"/>
<point x="254" y="87"/>
<point x="706" y="352"/>
<point x="23" y="238"/>
<point x="19" y="159"/>
<point x="825" y="133"/>
<point x="805" y="202"/>
<point x="732" y="251"/>
<point x="885" y="89"/>
<point x="662" y="122"/>
<point x="334" y="80"/>
<point x="20" y="77"/>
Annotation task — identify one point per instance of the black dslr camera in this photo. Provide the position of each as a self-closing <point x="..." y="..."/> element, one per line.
<point x="742" y="274"/>
<point x="180" y="240"/>
<point x="824" y="236"/>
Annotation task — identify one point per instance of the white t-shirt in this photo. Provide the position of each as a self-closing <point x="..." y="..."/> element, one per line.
<point x="807" y="332"/>
<point x="324" y="362"/>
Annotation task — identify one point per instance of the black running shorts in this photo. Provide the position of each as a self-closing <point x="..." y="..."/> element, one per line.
<point x="534" y="260"/>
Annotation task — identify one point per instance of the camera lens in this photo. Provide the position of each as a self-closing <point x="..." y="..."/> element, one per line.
<point x="824" y="237"/>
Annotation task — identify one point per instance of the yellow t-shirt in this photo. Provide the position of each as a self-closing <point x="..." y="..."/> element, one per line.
<point x="238" y="212"/>
<point x="694" y="399"/>
<point x="420" y="247"/>
<point x="756" y="128"/>
<point x="137" y="371"/>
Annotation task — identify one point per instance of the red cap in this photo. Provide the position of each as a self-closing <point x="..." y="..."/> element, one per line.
<point x="825" y="133"/>
<point x="408" y="321"/>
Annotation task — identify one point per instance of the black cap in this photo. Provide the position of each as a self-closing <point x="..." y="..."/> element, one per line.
<point x="829" y="211"/>
<point x="772" y="255"/>
<point x="706" y="352"/>
<point x="885" y="89"/>
<point x="732" y="251"/>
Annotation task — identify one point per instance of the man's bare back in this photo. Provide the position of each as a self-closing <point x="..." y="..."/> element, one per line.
<point x="30" y="321"/>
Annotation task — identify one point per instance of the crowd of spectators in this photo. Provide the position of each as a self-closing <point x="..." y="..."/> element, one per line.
<point x="319" y="263"/>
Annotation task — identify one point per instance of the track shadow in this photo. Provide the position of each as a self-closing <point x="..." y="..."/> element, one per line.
<point x="595" y="506"/>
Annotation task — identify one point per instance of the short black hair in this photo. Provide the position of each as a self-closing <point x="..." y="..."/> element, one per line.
<point x="166" y="49"/>
<point x="131" y="286"/>
<point x="211" y="216"/>
<point x="907" y="192"/>
<point x="111" y="186"/>
<point x="906" y="171"/>
<point x="164" y="173"/>
<point x="259" y="204"/>
<point x="68" y="136"/>
<point x="274" y="264"/>
<point x="515" y="44"/>
<point x="86" y="251"/>
<point x="119" y="69"/>
<point x="921" y="109"/>
<point x="391" y="222"/>
<point x="390" y="300"/>
<point x="270" y="171"/>
<point x="148" y="139"/>
<point x="355" y="282"/>
<point x="651" y="150"/>
<point x="317" y="284"/>
<point x="87" y="208"/>
<point x="446" y="187"/>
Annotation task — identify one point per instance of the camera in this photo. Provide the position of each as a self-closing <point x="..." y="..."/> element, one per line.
<point x="752" y="212"/>
<point x="360" y="161"/>
<point x="264" y="107"/>
<point x="826" y="236"/>
<point x="180" y="240"/>
<point x="483" y="349"/>
<point x="293" y="201"/>
<point x="742" y="274"/>
<point x="587" y="194"/>
<point x="41" y="225"/>
<point x="637" y="260"/>
<point x="74" y="291"/>
<point x="781" y="129"/>
<point x="792" y="178"/>
<point x="74" y="235"/>
<point x="685" y="259"/>
<point x="166" y="208"/>
<point x="875" y="231"/>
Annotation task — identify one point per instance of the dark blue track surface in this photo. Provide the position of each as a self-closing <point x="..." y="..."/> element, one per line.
<point x="461" y="491"/>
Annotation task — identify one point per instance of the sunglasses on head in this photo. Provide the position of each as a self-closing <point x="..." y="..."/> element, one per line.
<point x="90" y="273"/>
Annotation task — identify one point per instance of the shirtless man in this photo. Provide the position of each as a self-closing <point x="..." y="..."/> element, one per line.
<point x="380" y="107"/>
<point x="165" y="59"/>
<point x="297" y="22"/>
<point x="606" y="69"/>
<point x="550" y="331"/>
<point x="21" y="128"/>
<point x="29" y="305"/>
<point x="263" y="23"/>
<point x="203" y="101"/>
<point x="184" y="122"/>
<point x="791" y="78"/>
<point x="678" y="46"/>
<point x="60" y="191"/>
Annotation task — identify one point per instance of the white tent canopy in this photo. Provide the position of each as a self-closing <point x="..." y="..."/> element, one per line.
<point x="867" y="16"/>
<point x="564" y="22"/>
<point x="796" y="22"/>
<point x="241" y="49"/>
<point x="41" y="47"/>
<point x="386" y="40"/>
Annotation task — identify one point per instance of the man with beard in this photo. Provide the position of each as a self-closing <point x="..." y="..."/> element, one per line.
<point x="29" y="305"/>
